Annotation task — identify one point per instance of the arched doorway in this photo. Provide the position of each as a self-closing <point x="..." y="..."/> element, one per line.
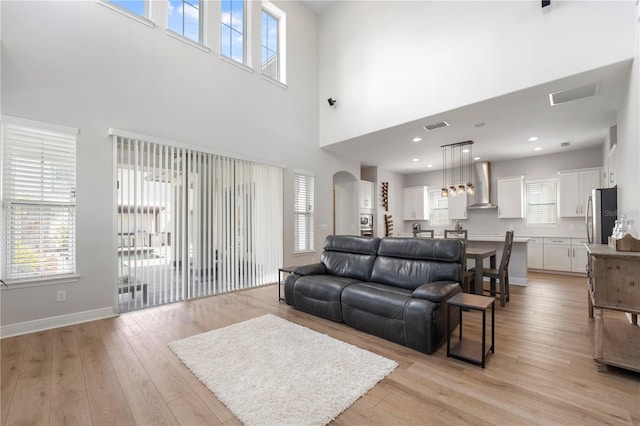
<point x="346" y="193"/>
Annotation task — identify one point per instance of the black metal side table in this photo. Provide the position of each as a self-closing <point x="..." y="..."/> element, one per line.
<point x="286" y="270"/>
<point x="465" y="349"/>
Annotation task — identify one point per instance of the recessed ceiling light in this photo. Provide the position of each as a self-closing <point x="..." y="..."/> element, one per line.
<point x="533" y="138"/>
<point x="415" y="160"/>
<point x="429" y="165"/>
<point x="416" y="139"/>
<point x="537" y="148"/>
<point x="476" y="158"/>
<point x="465" y="150"/>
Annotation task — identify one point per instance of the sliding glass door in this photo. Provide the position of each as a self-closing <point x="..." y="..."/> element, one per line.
<point x="193" y="224"/>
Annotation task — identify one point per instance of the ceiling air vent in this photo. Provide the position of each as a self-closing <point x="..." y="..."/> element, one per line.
<point x="573" y="94"/>
<point x="565" y="143"/>
<point x="437" y="125"/>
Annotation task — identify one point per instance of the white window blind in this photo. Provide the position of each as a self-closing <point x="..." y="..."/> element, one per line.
<point x="192" y="224"/>
<point x="439" y="208"/>
<point x="303" y="231"/>
<point x="542" y="202"/>
<point x="38" y="200"/>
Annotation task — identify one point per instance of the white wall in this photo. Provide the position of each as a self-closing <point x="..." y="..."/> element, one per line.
<point x="485" y="221"/>
<point x="628" y="148"/>
<point x="391" y="62"/>
<point x="80" y="64"/>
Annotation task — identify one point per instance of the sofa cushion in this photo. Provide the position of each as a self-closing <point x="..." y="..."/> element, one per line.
<point x="351" y="244"/>
<point x="412" y="262"/>
<point x="320" y="295"/>
<point x="376" y="310"/>
<point x="437" y="291"/>
<point x="441" y="250"/>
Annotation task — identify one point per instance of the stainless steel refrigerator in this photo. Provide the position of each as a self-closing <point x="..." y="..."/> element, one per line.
<point x="602" y="212"/>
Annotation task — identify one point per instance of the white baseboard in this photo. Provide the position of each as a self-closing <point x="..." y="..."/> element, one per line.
<point x="55" y="322"/>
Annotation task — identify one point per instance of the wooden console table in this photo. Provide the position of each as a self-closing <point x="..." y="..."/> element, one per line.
<point x="614" y="283"/>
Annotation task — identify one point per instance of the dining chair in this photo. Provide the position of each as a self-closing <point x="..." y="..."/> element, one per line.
<point x="502" y="272"/>
<point x="468" y="276"/>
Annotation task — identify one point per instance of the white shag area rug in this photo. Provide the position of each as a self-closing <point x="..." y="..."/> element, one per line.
<point x="269" y="371"/>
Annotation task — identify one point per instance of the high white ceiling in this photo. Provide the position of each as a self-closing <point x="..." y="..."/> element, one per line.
<point x="509" y="122"/>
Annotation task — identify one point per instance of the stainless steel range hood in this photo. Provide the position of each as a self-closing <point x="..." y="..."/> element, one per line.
<point x="482" y="182"/>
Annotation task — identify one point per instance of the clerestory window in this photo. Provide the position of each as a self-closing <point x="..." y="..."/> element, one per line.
<point x="232" y="30"/>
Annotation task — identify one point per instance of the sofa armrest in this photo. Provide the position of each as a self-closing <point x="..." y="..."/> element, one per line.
<point x="437" y="291"/>
<point x="312" y="269"/>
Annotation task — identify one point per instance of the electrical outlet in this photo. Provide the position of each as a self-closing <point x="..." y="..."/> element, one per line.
<point x="61" y="296"/>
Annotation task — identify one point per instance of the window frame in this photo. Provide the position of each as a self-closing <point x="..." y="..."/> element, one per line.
<point x="146" y="19"/>
<point x="201" y="24"/>
<point x="281" y="19"/>
<point x="528" y="203"/>
<point x="12" y="124"/>
<point x="309" y="200"/>
<point x="245" y="33"/>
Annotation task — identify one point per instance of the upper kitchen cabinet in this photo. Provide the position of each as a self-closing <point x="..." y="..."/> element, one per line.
<point x="575" y="187"/>
<point x="415" y="203"/>
<point x="367" y="192"/>
<point x="457" y="206"/>
<point x="511" y="197"/>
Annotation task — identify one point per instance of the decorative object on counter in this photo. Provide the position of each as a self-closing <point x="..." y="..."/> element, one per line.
<point x="385" y="196"/>
<point x="457" y="184"/>
<point x="626" y="243"/>
<point x="388" y="225"/>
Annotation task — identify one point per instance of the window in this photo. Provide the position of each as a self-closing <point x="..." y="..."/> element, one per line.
<point x="542" y="202"/>
<point x="38" y="199"/>
<point x="232" y="37"/>
<point x="439" y="208"/>
<point x="303" y="212"/>
<point x="185" y="18"/>
<point x="272" y="42"/>
<point x="139" y="7"/>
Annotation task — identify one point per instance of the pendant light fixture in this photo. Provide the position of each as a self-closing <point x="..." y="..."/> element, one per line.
<point x="457" y="184"/>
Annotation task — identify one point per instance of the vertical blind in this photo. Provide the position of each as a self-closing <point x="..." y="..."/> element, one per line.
<point x="193" y="224"/>
<point x="38" y="201"/>
<point x="303" y="214"/>
<point x="542" y="201"/>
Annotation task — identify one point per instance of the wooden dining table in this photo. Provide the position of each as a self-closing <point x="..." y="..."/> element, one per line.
<point x="478" y="255"/>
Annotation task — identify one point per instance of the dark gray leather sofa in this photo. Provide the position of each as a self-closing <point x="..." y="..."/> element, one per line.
<point x="393" y="288"/>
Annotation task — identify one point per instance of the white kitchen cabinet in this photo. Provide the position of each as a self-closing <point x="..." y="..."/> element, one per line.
<point x="579" y="255"/>
<point x="557" y="254"/>
<point x="415" y="203"/>
<point x="535" y="253"/>
<point x="511" y="197"/>
<point x="457" y="206"/>
<point x="367" y="192"/>
<point x="575" y="187"/>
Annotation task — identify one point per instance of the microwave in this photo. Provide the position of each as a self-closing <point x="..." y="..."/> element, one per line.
<point x="366" y="220"/>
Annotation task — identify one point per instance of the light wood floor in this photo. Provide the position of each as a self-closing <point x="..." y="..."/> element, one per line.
<point x="119" y="371"/>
